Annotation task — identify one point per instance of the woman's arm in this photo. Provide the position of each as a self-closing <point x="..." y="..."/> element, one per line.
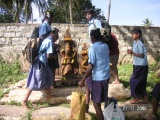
<point x="135" y="54"/>
<point x="138" y="55"/>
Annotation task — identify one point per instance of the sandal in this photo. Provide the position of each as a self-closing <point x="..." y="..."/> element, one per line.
<point x="25" y="105"/>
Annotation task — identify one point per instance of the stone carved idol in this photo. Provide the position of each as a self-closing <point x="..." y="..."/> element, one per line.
<point x="69" y="64"/>
<point x="67" y="35"/>
<point x="84" y="53"/>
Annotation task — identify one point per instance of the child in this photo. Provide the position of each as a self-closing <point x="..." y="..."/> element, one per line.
<point x="45" y="28"/>
<point x="93" y="23"/>
<point x="53" y="63"/>
<point x="40" y="75"/>
<point x="138" y="80"/>
<point x="99" y="66"/>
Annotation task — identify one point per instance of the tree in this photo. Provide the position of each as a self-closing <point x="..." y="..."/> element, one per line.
<point x="5" y="16"/>
<point x="64" y="13"/>
<point x="70" y="7"/>
<point x="147" y="23"/>
<point x="23" y="8"/>
<point x="109" y="8"/>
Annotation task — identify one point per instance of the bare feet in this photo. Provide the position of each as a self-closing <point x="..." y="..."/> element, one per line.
<point x="135" y="101"/>
<point x="24" y="104"/>
<point x="116" y="82"/>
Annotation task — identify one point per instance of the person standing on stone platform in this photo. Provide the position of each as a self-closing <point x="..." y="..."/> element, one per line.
<point x="100" y="69"/>
<point x="93" y="23"/>
<point x="138" y="80"/>
<point x="40" y="76"/>
<point x="114" y="56"/>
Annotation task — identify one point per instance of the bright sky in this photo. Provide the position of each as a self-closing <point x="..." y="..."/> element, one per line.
<point x="130" y="12"/>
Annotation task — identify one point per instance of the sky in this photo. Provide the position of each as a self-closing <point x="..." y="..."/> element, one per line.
<point x="127" y="12"/>
<point x="130" y="12"/>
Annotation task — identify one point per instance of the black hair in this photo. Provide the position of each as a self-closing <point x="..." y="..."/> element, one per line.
<point x="89" y="10"/>
<point x="96" y="34"/>
<point x="54" y="31"/>
<point x="49" y="14"/>
<point x="138" y="31"/>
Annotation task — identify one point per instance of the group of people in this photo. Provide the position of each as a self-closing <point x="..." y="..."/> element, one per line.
<point x="42" y="70"/>
<point x="97" y="75"/>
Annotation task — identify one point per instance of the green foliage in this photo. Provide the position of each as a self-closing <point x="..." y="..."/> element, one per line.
<point x="147" y="23"/>
<point x="3" y="92"/>
<point x="61" y="10"/>
<point x="28" y="116"/>
<point x="12" y="102"/>
<point x="67" y="105"/>
<point x="125" y="72"/>
<point x="23" y="9"/>
<point x="10" y="73"/>
<point x="6" y="18"/>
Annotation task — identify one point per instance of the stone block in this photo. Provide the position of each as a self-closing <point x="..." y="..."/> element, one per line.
<point x="19" y="41"/>
<point x="21" y="28"/>
<point x="18" y="34"/>
<point x="2" y="41"/>
<point x="1" y="33"/>
<point x="9" y="34"/>
<point x="146" y="37"/>
<point x="118" y="91"/>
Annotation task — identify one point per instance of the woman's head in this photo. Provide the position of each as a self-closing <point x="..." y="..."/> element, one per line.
<point x="136" y="34"/>
<point x="89" y="13"/>
<point x="95" y="35"/>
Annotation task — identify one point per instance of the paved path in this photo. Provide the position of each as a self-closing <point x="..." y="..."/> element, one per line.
<point x="12" y="112"/>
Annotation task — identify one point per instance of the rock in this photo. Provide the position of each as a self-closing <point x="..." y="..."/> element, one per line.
<point x="118" y="91"/>
<point x="21" y="83"/>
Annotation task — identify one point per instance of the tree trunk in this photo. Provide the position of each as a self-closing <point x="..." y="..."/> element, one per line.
<point x="109" y="8"/>
<point x="70" y="7"/>
<point x="17" y="14"/>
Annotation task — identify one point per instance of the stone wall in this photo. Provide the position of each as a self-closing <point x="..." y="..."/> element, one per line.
<point x="13" y="38"/>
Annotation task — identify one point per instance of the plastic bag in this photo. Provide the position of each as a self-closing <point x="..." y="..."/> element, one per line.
<point x="78" y="106"/>
<point x="111" y="113"/>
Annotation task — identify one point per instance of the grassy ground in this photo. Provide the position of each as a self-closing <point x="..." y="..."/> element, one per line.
<point x="125" y="72"/>
<point x="10" y="73"/>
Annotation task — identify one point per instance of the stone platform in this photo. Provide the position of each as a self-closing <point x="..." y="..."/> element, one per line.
<point x="64" y="89"/>
<point x="61" y="94"/>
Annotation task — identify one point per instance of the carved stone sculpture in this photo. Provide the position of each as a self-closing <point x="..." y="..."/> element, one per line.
<point x="84" y="53"/>
<point x="69" y="64"/>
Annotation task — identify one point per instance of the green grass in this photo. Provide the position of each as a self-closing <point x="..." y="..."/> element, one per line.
<point x="10" y="73"/>
<point x="125" y="72"/>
